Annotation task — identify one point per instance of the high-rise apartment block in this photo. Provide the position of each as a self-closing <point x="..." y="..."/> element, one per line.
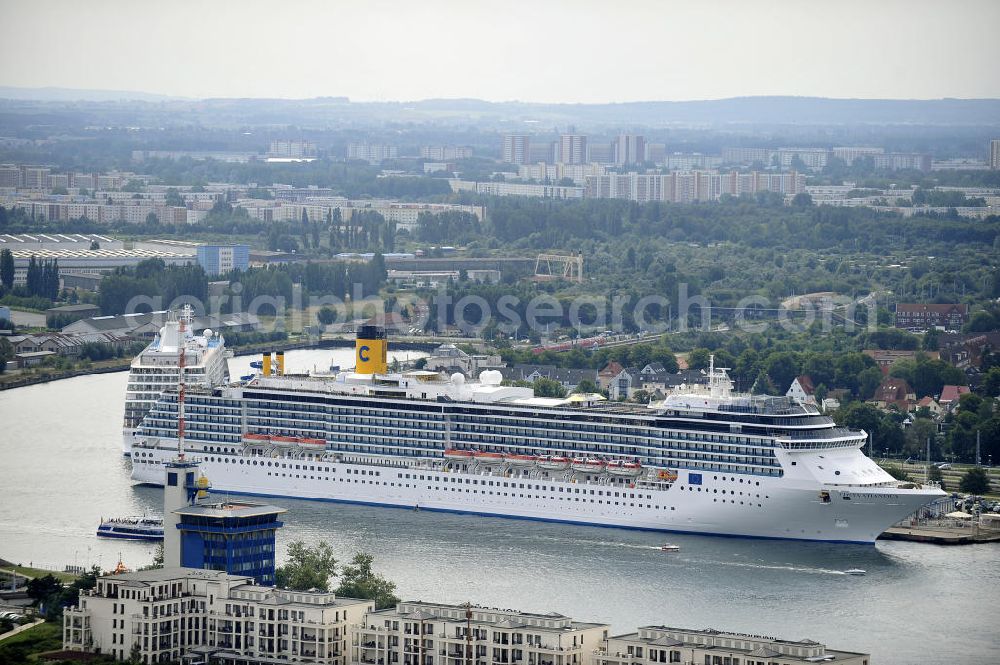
<point x="571" y="149"/>
<point x="630" y="149"/>
<point x="10" y="176"/>
<point x="373" y="153"/>
<point x="995" y="154"/>
<point x="516" y="148"/>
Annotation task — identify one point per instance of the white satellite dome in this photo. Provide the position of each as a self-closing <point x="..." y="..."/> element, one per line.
<point x="458" y="378"/>
<point x="208" y="333"/>
<point x="490" y="377"/>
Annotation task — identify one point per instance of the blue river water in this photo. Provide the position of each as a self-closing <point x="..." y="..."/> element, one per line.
<point x="61" y="470"/>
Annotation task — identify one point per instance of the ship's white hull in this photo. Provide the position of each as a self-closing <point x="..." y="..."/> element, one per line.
<point x="729" y="505"/>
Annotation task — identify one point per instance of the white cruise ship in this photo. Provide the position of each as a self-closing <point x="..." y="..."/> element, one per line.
<point x="156" y="369"/>
<point x="704" y="460"/>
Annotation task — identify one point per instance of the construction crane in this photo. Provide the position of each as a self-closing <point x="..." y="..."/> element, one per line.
<point x="571" y="265"/>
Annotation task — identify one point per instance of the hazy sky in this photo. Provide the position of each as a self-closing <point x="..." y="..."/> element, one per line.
<point x="537" y="50"/>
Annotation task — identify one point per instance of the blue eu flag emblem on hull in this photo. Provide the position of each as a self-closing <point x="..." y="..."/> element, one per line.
<point x="694" y="479"/>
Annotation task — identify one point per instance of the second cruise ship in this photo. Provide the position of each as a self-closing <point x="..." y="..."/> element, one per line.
<point x="157" y="368"/>
<point x="703" y="460"/>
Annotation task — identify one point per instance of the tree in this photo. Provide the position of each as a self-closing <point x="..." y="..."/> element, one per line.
<point x="7" y="269"/>
<point x="174" y="198"/>
<point x="975" y="481"/>
<point x="934" y="474"/>
<point x="763" y="385"/>
<point x="587" y="386"/>
<point x="898" y="473"/>
<point x="802" y="200"/>
<point x="43" y="589"/>
<point x="152" y="219"/>
<point x="326" y="315"/>
<point x="307" y="567"/>
<point x="699" y="359"/>
<point x="868" y="382"/>
<point x="548" y="388"/>
<point x="782" y="367"/>
<point x="359" y="581"/>
<point x="917" y="435"/>
<point x="991" y="382"/>
<point x="6" y="353"/>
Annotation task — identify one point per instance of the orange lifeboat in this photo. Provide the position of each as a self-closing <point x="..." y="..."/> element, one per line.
<point x="489" y="458"/>
<point x="455" y="453"/>
<point x="520" y="460"/>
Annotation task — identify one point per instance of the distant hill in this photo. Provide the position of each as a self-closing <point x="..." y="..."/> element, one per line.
<point x="767" y="110"/>
<point x="79" y="95"/>
<point x="804" y="111"/>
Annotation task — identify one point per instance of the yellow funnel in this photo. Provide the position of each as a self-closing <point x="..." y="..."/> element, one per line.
<point x="266" y="364"/>
<point x="370" y="351"/>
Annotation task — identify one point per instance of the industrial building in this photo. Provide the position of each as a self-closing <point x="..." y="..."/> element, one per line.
<point x="148" y="324"/>
<point x="223" y="259"/>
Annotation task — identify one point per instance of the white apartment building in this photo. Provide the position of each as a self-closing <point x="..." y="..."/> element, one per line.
<point x="445" y="153"/>
<point x="898" y="161"/>
<point x="421" y="633"/>
<point x="662" y="644"/>
<point x="170" y="613"/>
<point x="405" y="215"/>
<point x="373" y="153"/>
<point x="522" y="189"/>
<point x="746" y="156"/>
<point x="207" y="616"/>
<point x="995" y="154"/>
<point x="691" y="186"/>
<point x="814" y="158"/>
<point x="289" y="148"/>
<point x="555" y="172"/>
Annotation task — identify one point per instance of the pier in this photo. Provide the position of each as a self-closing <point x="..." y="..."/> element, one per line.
<point x="942" y="534"/>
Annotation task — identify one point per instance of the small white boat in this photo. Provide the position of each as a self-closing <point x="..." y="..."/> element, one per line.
<point x="669" y="547"/>
<point x="854" y="571"/>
